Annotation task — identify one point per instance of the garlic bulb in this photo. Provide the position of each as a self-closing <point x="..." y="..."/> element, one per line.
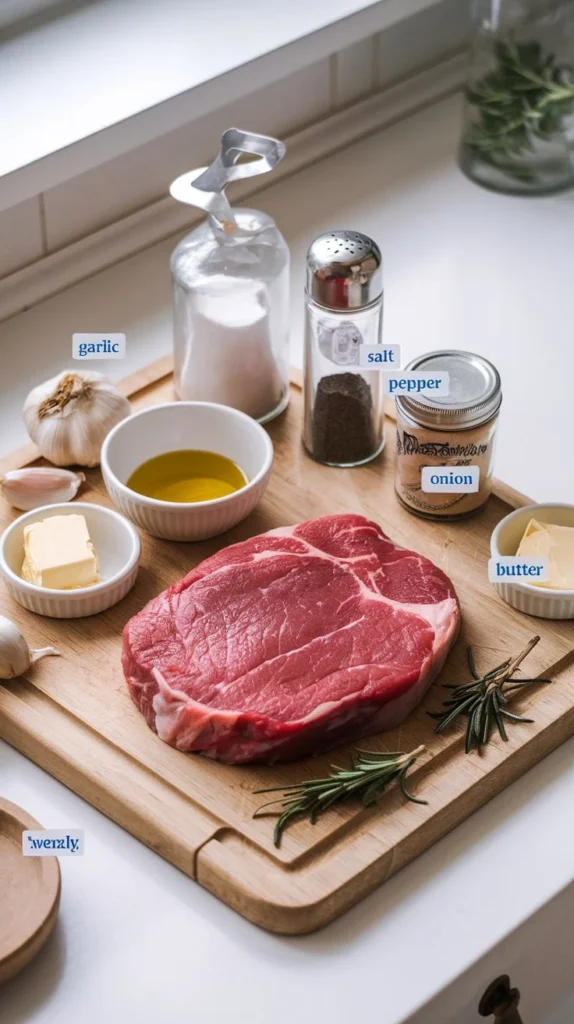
<point x="15" y="655"/>
<point x="69" y="416"/>
<point x="35" y="486"/>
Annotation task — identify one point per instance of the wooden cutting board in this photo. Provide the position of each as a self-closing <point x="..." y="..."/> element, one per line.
<point x="73" y="716"/>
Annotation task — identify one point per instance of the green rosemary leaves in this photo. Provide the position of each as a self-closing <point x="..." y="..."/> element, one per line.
<point x="367" y="777"/>
<point x="526" y="96"/>
<point x="484" y="700"/>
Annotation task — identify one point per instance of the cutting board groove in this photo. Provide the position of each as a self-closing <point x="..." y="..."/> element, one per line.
<point x="73" y="716"/>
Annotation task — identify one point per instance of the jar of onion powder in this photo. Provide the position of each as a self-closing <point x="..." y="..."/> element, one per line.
<point x="451" y="437"/>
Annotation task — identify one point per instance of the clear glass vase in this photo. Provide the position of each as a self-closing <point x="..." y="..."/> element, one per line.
<point x="518" y="133"/>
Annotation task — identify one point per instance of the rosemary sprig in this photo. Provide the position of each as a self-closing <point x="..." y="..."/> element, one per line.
<point x="525" y="96"/>
<point x="484" y="700"/>
<point x="367" y="777"/>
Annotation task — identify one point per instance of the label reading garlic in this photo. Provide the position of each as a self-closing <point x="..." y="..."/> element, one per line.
<point x="98" y="346"/>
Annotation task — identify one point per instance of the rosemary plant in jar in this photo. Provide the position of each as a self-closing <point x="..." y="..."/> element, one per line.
<point x="519" y="111"/>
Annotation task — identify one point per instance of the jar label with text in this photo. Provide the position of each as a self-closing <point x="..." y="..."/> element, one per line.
<point x="469" y="452"/>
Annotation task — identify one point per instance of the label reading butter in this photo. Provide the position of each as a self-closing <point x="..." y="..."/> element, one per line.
<point x="418" y="383"/>
<point x="99" y="346"/>
<point x="514" y="567"/>
<point x="450" y="479"/>
<point x="378" y="357"/>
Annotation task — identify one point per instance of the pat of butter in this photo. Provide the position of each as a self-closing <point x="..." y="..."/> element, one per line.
<point x="556" y="543"/>
<point x="59" y="554"/>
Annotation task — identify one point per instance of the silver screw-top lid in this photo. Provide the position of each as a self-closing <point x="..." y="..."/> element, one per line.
<point x="474" y="391"/>
<point x="344" y="270"/>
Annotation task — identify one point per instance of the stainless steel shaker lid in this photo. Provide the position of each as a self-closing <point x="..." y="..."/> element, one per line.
<point x="474" y="391"/>
<point x="344" y="270"/>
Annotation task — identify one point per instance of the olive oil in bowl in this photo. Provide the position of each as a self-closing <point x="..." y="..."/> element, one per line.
<point x="187" y="476"/>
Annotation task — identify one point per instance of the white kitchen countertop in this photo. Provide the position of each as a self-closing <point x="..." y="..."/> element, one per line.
<point x="138" y="941"/>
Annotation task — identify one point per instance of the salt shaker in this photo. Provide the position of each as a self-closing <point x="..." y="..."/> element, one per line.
<point x="343" y="423"/>
<point x="231" y="289"/>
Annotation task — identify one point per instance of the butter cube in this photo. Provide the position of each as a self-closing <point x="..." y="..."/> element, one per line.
<point x="556" y="543"/>
<point x="59" y="554"/>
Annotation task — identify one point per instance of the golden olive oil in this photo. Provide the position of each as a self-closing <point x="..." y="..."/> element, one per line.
<point x="187" y="476"/>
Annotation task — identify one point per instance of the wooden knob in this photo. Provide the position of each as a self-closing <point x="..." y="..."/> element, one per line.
<point x="501" y="1001"/>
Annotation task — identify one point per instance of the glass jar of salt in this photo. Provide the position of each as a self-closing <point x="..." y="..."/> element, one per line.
<point x="231" y="290"/>
<point x="343" y="423"/>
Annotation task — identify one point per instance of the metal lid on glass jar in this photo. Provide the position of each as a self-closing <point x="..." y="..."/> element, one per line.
<point x="474" y="391"/>
<point x="344" y="270"/>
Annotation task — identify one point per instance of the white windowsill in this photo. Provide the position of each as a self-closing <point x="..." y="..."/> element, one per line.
<point x="113" y="74"/>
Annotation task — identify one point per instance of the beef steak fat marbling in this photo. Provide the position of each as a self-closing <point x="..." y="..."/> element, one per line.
<point x="291" y="643"/>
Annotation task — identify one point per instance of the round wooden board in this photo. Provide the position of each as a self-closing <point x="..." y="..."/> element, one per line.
<point x="29" y="893"/>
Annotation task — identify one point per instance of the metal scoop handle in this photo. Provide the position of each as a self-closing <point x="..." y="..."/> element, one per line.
<point x="205" y="187"/>
<point x="234" y="142"/>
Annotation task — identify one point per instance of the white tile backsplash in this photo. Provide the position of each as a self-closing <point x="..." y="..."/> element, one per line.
<point x="422" y="39"/>
<point x="119" y="187"/>
<point x="355" y="72"/>
<point x="20" y="236"/>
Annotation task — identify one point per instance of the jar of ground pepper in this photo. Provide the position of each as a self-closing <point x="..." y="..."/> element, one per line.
<point x="457" y="430"/>
<point x="343" y="424"/>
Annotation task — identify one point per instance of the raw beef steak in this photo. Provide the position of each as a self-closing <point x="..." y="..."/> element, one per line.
<point x="291" y="642"/>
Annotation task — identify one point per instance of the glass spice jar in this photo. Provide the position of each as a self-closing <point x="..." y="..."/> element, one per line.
<point x="231" y="288"/>
<point x="457" y="430"/>
<point x="343" y="420"/>
<point x="231" y="315"/>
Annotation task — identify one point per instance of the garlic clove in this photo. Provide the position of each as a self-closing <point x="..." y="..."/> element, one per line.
<point x="33" y="487"/>
<point x="69" y="416"/>
<point x="43" y="652"/>
<point x="15" y="654"/>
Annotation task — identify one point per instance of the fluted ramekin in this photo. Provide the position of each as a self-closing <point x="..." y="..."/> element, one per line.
<point x="175" y="427"/>
<point x="117" y="546"/>
<point x="505" y="539"/>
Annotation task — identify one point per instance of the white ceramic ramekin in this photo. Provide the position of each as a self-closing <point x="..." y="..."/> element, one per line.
<point x="546" y="604"/>
<point x="178" y="426"/>
<point x="118" y="548"/>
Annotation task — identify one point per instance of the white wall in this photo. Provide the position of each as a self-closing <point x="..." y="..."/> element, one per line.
<point x="103" y="195"/>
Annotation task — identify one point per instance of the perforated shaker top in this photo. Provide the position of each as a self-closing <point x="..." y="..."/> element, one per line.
<point x="344" y="270"/>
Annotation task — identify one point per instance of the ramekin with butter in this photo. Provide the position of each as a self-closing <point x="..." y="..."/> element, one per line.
<point x="58" y="553"/>
<point x="539" y="531"/>
<point x="69" y="562"/>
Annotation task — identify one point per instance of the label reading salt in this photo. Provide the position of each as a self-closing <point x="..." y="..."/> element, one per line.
<point x="417" y="383"/>
<point x="379" y="357"/>
<point x="98" y="346"/>
<point x="515" y="567"/>
<point x="450" y="479"/>
<point x="53" y="842"/>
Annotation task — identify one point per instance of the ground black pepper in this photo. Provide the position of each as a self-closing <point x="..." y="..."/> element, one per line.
<point x="342" y="425"/>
